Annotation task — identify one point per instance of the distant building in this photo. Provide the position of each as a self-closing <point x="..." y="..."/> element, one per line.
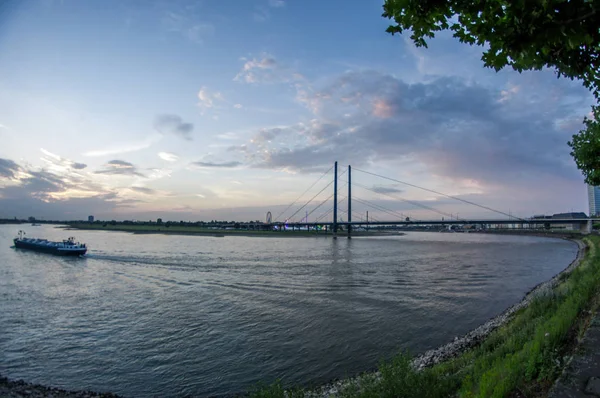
<point x="90" y="218"/>
<point x="569" y="216"/>
<point x="594" y="200"/>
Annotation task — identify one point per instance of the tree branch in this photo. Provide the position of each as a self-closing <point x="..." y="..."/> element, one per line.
<point x="581" y="18"/>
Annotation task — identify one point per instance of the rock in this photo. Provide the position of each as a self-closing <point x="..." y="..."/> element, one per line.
<point x="593" y="387"/>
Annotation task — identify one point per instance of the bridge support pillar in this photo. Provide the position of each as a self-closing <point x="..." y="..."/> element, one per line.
<point x="335" y="189"/>
<point x="586" y="228"/>
<point x="349" y="201"/>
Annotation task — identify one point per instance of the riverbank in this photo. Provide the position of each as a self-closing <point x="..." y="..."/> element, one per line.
<point x="519" y="353"/>
<point x="19" y="389"/>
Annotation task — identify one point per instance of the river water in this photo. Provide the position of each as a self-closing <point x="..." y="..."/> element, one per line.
<point x="157" y="315"/>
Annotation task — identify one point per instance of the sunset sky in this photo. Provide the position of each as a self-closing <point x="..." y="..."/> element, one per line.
<point x="196" y="110"/>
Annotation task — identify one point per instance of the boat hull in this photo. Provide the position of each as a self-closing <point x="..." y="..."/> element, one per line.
<point x="58" y="251"/>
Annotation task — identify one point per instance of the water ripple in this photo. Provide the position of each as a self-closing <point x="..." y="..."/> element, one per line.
<point x="154" y="315"/>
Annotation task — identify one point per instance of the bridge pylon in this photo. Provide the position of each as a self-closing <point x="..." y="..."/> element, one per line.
<point x="349" y="201"/>
<point x="335" y="176"/>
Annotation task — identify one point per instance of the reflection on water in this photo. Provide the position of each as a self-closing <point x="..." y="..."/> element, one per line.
<point x="154" y="315"/>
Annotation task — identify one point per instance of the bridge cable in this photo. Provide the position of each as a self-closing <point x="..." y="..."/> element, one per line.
<point x="324" y="214"/>
<point x="304" y="193"/>
<point x="383" y="208"/>
<point x="318" y="206"/>
<point x="310" y="200"/>
<point x="289" y="218"/>
<point x="379" y="208"/>
<point x="330" y="209"/>
<point x="442" y="194"/>
<point x="411" y="202"/>
<point x="321" y="204"/>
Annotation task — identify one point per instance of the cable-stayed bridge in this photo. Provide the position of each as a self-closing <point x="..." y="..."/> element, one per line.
<point x="335" y="206"/>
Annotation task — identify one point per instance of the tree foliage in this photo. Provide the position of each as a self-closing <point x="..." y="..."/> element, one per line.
<point x="524" y="35"/>
<point x="586" y="148"/>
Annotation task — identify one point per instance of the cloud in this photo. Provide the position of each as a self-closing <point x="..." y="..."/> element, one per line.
<point x="125" y="147"/>
<point x="238" y="106"/>
<point x="450" y="126"/>
<point x="120" y="167"/>
<point x="265" y="69"/>
<point x="185" y="25"/>
<point x="262" y="12"/>
<point x="197" y="33"/>
<point x="144" y="190"/>
<point x="386" y="189"/>
<point x="505" y="95"/>
<point x="61" y="193"/>
<point x="173" y="124"/>
<point x="168" y="156"/>
<point x="8" y="168"/>
<point x="207" y="99"/>
<point x="33" y="190"/>
<point x="223" y="165"/>
<point x="57" y="162"/>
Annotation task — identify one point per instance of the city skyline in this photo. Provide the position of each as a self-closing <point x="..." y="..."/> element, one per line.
<point x="196" y="111"/>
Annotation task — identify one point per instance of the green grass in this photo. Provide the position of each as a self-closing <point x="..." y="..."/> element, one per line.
<point x="526" y="355"/>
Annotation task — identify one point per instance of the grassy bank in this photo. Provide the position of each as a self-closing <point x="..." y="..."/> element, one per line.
<point x="520" y="359"/>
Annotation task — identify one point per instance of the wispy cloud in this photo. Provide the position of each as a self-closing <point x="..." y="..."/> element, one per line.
<point x="207" y="100"/>
<point x="238" y="106"/>
<point x="228" y="136"/>
<point x="223" y="165"/>
<point x="511" y="91"/>
<point x="8" y="168"/>
<point x="168" y="156"/>
<point x="199" y="32"/>
<point x="262" y="12"/>
<point x="265" y="69"/>
<point x="120" y="167"/>
<point x="386" y="189"/>
<point x="182" y="24"/>
<point x="143" y="190"/>
<point x="173" y="124"/>
<point x="57" y="161"/>
<point x="125" y="147"/>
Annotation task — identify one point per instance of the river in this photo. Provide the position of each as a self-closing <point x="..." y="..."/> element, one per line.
<point x="165" y="315"/>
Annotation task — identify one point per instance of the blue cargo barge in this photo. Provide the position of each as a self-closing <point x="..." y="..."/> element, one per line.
<point x="67" y="247"/>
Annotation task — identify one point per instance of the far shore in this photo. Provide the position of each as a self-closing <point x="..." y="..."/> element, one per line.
<point x="219" y="233"/>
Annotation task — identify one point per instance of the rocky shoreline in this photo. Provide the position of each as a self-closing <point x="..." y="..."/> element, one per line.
<point x="20" y="388"/>
<point x="463" y="343"/>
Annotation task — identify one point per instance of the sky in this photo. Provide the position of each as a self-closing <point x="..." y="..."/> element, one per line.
<point x="201" y="110"/>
